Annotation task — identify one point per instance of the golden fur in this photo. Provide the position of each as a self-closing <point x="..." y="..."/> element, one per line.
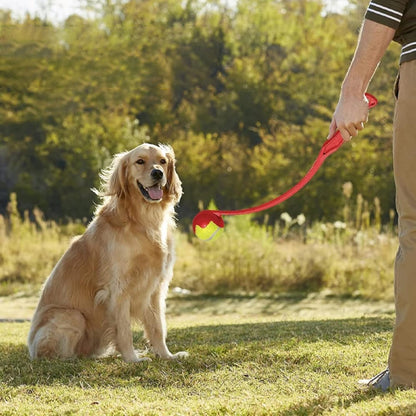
<point x="119" y="269"/>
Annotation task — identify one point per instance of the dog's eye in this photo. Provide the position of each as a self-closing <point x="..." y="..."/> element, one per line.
<point x="162" y="161"/>
<point x="140" y="162"/>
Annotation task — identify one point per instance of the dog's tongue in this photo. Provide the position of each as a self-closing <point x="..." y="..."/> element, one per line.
<point x="155" y="192"/>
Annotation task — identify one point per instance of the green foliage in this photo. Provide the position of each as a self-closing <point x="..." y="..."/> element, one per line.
<point x="244" y="94"/>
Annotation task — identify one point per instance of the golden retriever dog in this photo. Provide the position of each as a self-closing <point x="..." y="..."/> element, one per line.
<point x="119" y="269"/>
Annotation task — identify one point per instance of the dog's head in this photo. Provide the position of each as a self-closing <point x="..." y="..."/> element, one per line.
<point x="148" y="172"/>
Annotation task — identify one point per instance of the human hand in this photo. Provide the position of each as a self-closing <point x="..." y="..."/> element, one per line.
<point x="349" y="117"/>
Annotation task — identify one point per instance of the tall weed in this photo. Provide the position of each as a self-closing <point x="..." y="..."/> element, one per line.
<point x="353" y="257"/>
<point x="249" y="257"/>
<point x="30" y="247"/>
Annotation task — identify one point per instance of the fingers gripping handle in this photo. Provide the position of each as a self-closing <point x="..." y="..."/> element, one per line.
<point x="336" y="141"/>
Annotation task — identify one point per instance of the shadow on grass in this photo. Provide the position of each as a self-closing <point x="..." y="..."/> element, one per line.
<point x="224" y="304"/>
<point x="297" y="305"/>
<point x="212" y="347"/>
<point x="315" y="407"/>
<point x="338" y="330"/>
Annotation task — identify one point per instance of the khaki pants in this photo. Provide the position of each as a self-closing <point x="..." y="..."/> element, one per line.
<point x="402" y="359"/>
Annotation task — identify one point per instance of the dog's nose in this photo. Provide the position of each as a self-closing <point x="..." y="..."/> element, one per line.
<point x="156" y="174"/>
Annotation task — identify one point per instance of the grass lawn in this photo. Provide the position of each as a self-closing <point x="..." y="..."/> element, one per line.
<point x="288" y="355"/>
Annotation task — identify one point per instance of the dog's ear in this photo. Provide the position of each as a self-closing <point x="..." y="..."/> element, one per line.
<point x="115" y="177"/>
<point x="174" y="184"/>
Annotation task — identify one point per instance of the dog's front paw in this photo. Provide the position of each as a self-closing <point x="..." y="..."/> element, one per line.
<point x="179" y="355"/>
<point x="166" y="355"/>
<point x="136" y="358"/>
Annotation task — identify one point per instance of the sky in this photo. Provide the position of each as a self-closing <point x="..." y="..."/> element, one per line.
<point x="59" y="10"/>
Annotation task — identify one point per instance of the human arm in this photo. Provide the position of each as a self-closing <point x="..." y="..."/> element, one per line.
<point x="352" y="110"/>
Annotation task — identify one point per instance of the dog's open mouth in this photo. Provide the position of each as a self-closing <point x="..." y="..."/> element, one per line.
<point x="151" y="193"/>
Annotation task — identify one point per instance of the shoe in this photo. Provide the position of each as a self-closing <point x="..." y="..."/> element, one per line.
<point x="379" y="382"/>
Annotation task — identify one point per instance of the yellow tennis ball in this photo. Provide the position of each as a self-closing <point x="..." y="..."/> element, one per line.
<point x="208" y="226"/>
<point x="210" y="233"/>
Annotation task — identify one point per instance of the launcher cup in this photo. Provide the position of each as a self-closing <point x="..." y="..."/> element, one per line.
<point x="208" y="225"/>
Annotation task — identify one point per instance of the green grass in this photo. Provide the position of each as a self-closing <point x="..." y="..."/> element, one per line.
<point x="288" y="355"/>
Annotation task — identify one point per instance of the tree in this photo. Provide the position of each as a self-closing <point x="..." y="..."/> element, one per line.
<point x="244" y="94"/>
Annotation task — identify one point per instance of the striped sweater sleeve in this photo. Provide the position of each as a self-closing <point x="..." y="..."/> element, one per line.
<point x="386" y="12"/>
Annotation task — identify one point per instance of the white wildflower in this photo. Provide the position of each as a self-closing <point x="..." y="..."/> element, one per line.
<point x="301" y="219"/>
<point x="180" y="291"/>
<point x="285" y="217"/>
<point x="340" y="225"/>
